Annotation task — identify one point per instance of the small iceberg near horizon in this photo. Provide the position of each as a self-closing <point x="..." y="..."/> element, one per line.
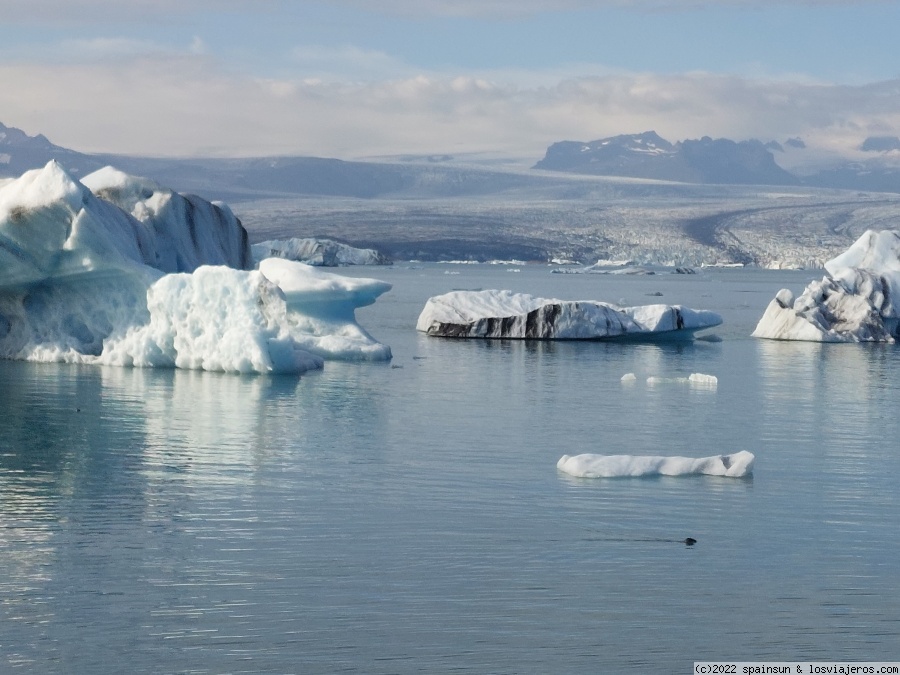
<point x="496" y="314"/>
<point x="736" y="465"/>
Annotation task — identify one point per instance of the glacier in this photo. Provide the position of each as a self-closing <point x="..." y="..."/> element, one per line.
<point x="736" y="465"/>
<point x="116" y="270"/>
<point x="856" y="302"/>
<point x="504" y="314"/>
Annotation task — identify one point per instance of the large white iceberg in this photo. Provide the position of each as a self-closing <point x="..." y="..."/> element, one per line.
<point x="84" y="281"/>
<point x="736" y="465"/>
<point x="504" y="314"/>
<point x="318" y="252"/>
<point x="181" y="232"/>
<point x="855" y="303"/>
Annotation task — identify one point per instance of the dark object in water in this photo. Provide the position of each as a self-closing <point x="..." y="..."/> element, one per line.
<point x="690" y="541"/>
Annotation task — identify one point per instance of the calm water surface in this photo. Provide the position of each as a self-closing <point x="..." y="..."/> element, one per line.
<point x="408" y="517"/>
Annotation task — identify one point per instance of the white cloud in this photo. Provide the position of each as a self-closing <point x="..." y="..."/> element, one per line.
<point x="183" y="104"/>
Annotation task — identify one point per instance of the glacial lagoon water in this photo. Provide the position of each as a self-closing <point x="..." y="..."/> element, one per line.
<point x="408" y="517"/>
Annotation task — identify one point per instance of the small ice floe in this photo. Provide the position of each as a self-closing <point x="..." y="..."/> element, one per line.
<point x="629" y="378"/>
<point x="737" y="465"/>
<point x="694" y="379"/>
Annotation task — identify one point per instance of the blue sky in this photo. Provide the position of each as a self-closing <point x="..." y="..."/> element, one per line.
<point x="349" y="78"/>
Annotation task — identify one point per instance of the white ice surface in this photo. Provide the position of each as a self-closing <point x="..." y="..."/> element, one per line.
<point x="499" y="313"/>
<point x="75" y="285"/>
<point x="737" y="465"/>
<point x="694" y="379"/>
<point x="856" y="303"/>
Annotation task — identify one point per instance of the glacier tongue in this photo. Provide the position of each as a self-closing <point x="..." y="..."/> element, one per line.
<point x="84" y="281"/>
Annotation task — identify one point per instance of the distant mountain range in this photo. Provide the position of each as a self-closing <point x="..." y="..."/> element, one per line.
<point x="716" y="161"/>
<point x="646" y="155"/>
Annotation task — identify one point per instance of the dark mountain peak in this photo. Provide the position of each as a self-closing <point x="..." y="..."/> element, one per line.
<point x="618" y="150"/>
<point x="16" y="138"/>
<point x="649" y="141"/>
<point x="20" y="152"/>
<point x="647" y="155"/>
<point x="880" y="144"/>
<point x="795" y="142"/>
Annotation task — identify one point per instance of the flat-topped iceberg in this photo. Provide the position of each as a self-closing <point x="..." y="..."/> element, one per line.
<point x="83" y="279"/>
<point x="736" y="465"/>
<point x="504" y="314"/>
<point x="318" y="252"/>
<point x="855" y="303"/>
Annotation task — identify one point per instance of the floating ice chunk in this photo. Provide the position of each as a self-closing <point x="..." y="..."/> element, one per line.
<point x="857" y="303"/>
<point x="694" y="379"/>
<point x="216" y="318"/>
<point x="629" y="378"/>
<point x="322" y="309"/>
<point x="737" y="465"/>
<point x="504" y="314"/>
<point x="703" y="380"/>
<point x="318" y="252"/>
<point x="76" y="286"/>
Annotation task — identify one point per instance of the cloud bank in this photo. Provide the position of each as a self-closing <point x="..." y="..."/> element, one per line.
<point x="150" y="89"/>
<point x="185" y="104"/>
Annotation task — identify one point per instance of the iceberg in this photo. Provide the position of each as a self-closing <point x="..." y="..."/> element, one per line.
<point x="504" y="314"/>
<point x="317" y="252"/>
<point x="737" y="465"/>
<point x="137" y="275"/>
<point x="184" y="231"/>
<point x="855" y="303"/>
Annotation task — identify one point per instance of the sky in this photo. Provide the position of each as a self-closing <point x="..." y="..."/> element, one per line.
<point x="506" y="78"/>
